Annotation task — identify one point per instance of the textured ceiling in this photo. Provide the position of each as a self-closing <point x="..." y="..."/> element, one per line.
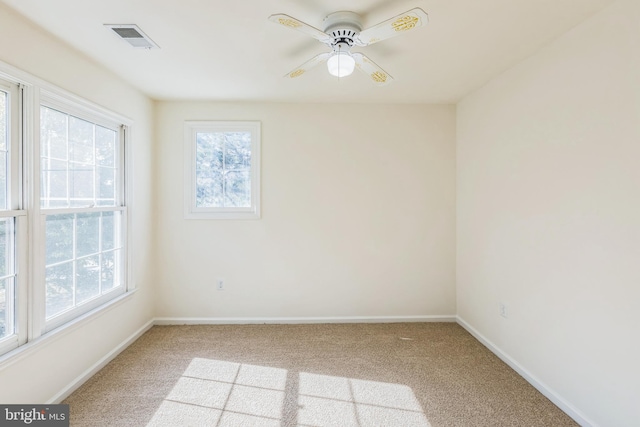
<point x="227" y="50"/>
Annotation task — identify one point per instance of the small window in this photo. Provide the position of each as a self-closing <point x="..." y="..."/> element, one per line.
<point x="222" y="170"/>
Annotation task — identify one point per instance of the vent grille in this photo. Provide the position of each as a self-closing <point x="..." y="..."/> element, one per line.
<point x="128" y="33"/>
<point x="133" y="35"/>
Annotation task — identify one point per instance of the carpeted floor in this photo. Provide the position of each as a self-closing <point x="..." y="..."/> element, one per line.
<point x="404" y="375"/>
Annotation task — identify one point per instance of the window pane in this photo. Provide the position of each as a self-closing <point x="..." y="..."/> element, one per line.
<point x="237" y="150"/>
<point x="106" y="188"/>
<point x="5" y="249"/>
<point x="53" y="134"/>
<point x="6" y="311"/>
<point x="3" y="179"/>
<point x="81" y="185"/>
<point x="108" y="230"/>
<point x="4" y="141"/>
<point x="80" y="140"/>
<point x="87" y="234"/>
<point x="105" y="146"/>
<point x="4" y="116"/>
<point x="59" y="238"/>
<point x="7" y="278"/>
<point x="54" y="182"/>
<point x="209" y="151"/>
<point x="109" y="275"/>
<point x="209" y="189"/>
<point x="237" y="189"/>
<point x="59" y="288"/>
<point x="87" y="278"/>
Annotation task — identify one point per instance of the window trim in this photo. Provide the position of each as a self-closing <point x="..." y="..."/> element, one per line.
<point x="30" y="316"/>
<point x="190" y="129"/>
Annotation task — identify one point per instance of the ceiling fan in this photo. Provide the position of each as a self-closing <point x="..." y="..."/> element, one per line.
<point x="342" y="31"/>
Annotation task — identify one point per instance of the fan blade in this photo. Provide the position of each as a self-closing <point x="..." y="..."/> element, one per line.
<point x="295" y="24"/>
<point x="379" y="76"/>
<point x="308" y="65"/>
<point x="411" y="19"/>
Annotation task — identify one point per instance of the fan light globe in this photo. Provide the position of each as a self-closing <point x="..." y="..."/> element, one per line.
<point x="341" y="65"/>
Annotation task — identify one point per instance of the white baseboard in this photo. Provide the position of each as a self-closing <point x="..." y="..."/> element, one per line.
<point x="296" y="320"/>
<point x="76" y="383"/>
<point x="565" y="406"/>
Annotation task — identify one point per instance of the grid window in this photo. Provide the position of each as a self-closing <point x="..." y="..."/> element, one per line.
<point x="80" y="199"/>
<point x="9" y="216"/>
<point x="223" y="169"/>
<point x="223" y="160"/>
<point x="7" y="271"/>
<point x="67" y="254"/>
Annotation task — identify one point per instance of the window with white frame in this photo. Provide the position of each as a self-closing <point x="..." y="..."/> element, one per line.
<point x="63" y="211"/>
<point x="222" y="170"/>
<point x="82" y="206"/>
<point x="12" y="218"/>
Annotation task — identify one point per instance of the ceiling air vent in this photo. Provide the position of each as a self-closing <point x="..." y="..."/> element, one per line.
<point x="133" y="35"/>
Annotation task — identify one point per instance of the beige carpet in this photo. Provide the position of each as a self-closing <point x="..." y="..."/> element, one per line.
<point x="404" y="375"/>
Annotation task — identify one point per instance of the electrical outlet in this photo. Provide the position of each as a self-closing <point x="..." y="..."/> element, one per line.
<point x="504" y="310"/>
<point x="220" y="284"/>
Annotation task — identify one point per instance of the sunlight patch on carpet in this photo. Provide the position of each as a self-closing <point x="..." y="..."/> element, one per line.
<point x="224" y="394"/>
<point x="328" y="400"/>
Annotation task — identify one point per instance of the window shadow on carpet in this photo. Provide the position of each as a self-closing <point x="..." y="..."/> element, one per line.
<point x="221" y="393"/>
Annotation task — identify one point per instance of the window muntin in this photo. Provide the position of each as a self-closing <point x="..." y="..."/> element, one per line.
<point x="7" y="278"/>
<point x="223" y="161"/>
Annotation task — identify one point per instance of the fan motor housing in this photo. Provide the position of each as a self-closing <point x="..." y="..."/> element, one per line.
<point x="343" y="27"/>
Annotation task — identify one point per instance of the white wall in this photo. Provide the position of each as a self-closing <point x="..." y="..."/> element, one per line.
<point x="43" y="374"/>
<point x="549" y="214"/>
<point x="358" y="215"/>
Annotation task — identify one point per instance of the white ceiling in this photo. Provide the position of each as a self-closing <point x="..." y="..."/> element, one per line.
<point x="227" y="50"/>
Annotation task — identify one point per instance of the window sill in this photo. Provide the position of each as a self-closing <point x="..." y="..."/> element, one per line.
<point x="26" y="350"/>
